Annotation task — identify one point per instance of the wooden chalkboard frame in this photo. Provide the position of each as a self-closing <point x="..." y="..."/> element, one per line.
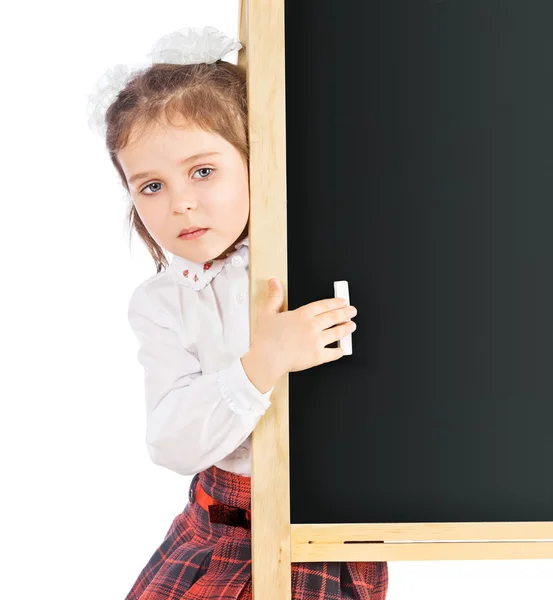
<point x="276" y="543"/>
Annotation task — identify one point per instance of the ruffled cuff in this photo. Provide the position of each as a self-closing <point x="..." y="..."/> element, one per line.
<point x="240" y="393"/>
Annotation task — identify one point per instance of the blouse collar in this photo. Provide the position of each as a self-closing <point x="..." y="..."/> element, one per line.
<point x="198" y="275"/>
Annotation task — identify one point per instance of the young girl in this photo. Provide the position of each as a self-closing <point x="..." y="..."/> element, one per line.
<point x="177" y="134"/>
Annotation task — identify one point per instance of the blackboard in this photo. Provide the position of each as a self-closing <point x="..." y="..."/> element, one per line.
<point x="420" y="169"/>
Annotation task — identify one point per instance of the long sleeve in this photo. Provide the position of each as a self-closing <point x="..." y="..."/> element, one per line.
<point x="193" y="420"/>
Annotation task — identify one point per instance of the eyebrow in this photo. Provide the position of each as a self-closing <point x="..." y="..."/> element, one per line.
<point x="138" y="176"/>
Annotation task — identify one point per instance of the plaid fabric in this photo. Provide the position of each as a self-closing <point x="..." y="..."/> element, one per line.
<point x="200" y="560"/>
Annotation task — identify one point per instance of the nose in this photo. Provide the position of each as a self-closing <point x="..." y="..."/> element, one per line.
<point x="183" y="201"/>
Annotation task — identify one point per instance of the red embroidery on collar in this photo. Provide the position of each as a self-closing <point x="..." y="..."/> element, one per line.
<point x="206" y="267"/>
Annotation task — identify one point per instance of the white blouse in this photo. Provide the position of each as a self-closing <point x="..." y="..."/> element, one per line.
<point x="192" y="324"/>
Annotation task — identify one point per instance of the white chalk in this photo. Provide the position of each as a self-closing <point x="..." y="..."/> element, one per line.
<point x="341" y="290"/>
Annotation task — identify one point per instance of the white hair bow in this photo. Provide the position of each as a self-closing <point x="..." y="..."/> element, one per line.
<point x="188" y="46"/>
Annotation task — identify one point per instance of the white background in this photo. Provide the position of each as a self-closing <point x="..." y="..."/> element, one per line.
<point x="83" y="508"/>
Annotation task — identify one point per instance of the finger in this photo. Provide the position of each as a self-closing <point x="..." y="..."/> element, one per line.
<point x="331" y="354"/>
<point x="334" y="317"/>
<point x="329" y="336"/>
<point x="321" y="306"/>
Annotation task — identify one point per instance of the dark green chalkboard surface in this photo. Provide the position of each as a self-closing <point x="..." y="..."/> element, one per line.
<point x="420" y="170"/>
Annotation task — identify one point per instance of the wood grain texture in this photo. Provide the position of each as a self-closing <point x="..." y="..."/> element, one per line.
<point x="421" y="541"/>
<point x="264" y="36"/>
<point x="414" y="551"/>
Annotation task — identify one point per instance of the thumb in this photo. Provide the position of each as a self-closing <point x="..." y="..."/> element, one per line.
<point x="274" y="296"/>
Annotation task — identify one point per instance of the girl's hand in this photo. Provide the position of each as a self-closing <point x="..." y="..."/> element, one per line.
<point x="295" y="340"/>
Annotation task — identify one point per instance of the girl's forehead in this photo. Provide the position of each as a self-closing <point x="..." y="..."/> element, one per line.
<point x="166" y="133"/>
<point x="169" y="140"/>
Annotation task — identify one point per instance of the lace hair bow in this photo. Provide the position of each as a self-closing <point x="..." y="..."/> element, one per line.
<point x="188" y="46"/>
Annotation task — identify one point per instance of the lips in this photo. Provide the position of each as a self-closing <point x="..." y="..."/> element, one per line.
<point x="191" y="230"/>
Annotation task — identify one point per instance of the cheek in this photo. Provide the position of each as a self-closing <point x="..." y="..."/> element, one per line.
<point x="141" y="210"/>
<point x="226" y="202"/>
<point x="231" y="210"/>
<point x="148" y="215"/>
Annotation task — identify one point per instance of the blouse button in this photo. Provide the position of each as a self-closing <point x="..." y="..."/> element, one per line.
<point x="237" y="261"/>
<point x="242" y="452"/>
<point x="241" y="297"/>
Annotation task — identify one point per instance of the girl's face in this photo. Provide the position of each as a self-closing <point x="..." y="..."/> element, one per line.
<point x="173" y="188"/>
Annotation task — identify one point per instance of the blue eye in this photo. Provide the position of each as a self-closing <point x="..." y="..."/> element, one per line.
<point x="149" y="186"/>
<point x="204" y="169"/>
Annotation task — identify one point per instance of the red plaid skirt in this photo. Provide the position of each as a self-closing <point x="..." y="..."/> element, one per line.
<point x="200" y="560"/>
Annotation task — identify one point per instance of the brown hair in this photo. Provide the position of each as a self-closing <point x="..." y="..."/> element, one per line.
<point x="211" y="96"/>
